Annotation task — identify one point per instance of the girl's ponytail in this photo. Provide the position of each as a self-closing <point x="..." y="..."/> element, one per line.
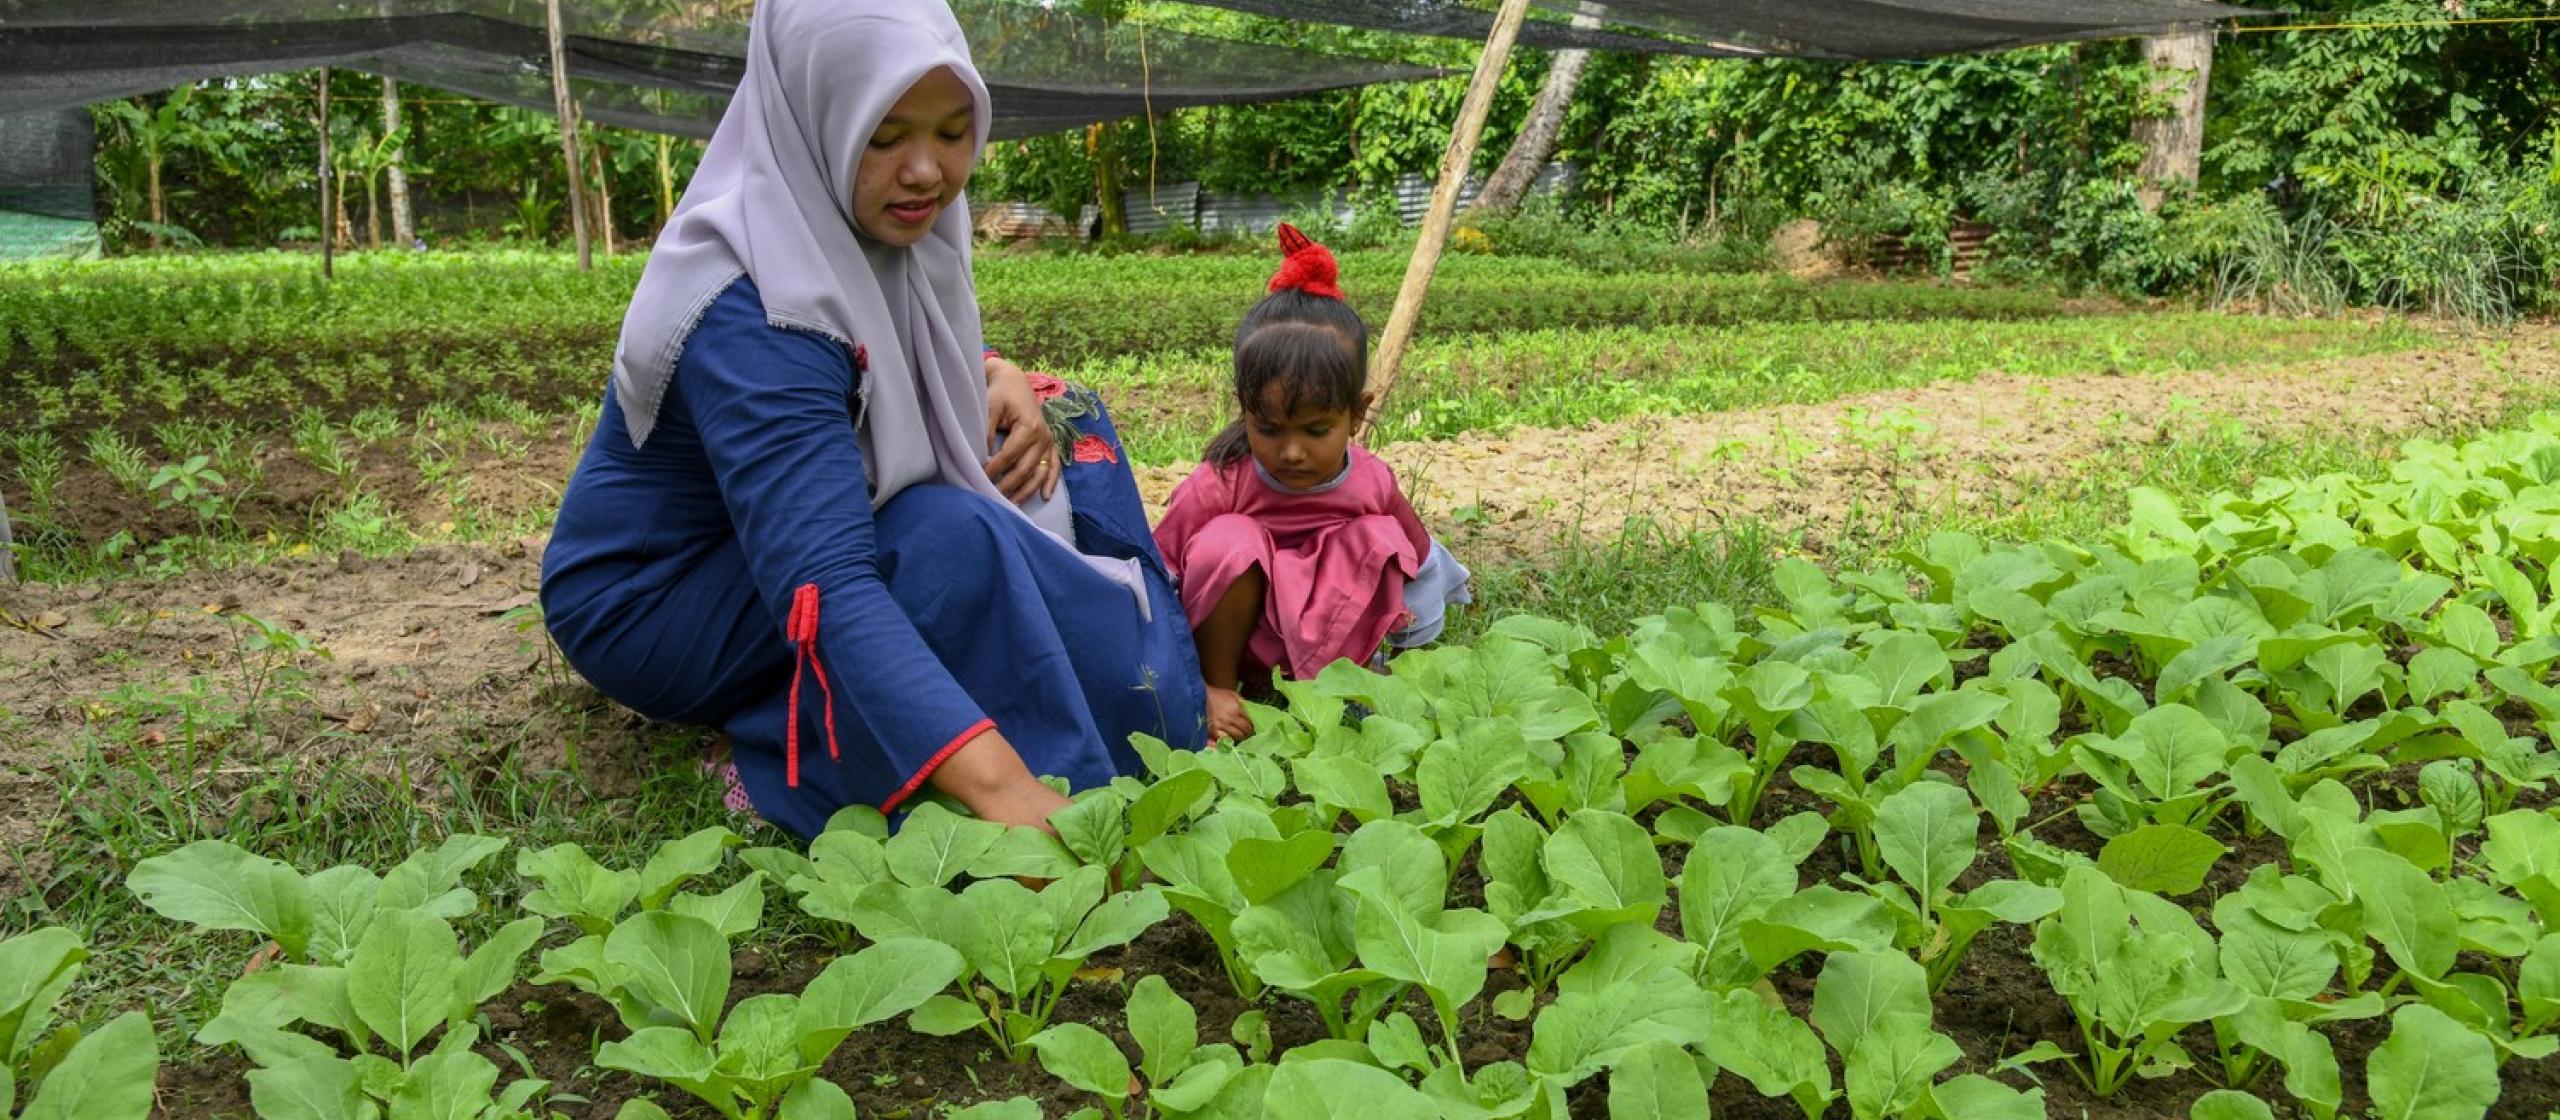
<point x="1302" y="341"/>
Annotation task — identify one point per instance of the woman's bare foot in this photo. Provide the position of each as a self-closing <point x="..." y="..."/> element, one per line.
<point x="1227" y="720"/>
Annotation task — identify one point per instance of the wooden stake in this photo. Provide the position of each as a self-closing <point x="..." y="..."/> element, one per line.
<point x="328" y="199"/>
<point x="568" y="111"/>
<point x="1444" y="204"/>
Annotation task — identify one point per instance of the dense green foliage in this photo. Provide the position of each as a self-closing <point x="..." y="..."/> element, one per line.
<point x="2314" y="712"/>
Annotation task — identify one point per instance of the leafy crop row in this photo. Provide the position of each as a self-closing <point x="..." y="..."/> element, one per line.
<point x="2347" y="680"/>
<point x="83" y="343"/>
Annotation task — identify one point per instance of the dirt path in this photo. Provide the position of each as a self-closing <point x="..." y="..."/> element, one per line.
<point x="1969" y="445"/>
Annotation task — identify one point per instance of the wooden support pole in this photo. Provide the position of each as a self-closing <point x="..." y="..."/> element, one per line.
<point x="1444" y="204"/>
<point x="568" y="111"/>
<point x="328" y="196"/>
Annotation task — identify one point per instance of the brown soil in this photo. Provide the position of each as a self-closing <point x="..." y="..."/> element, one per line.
<point x="1970" y="446"/>
<point x="428" y="677"/>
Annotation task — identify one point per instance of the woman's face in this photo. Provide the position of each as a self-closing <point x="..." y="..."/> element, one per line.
<point x="917" y="162"/>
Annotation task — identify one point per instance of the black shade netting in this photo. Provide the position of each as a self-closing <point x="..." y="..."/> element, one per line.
<point x="44" y="164"/>
<point x="654" y="64"/>
<point x="1839" y="29"/>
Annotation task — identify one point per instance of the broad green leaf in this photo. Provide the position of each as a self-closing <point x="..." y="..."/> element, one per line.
<point x="2432" y="1068"/>
<point x="1459" y="778"/>
<point x="344" y="900"/>
<point x="402" y="977"/>
<point x="944" y="1016"/>
<point x="1095" y="827"/>
<point x="2448" y="788"/>
<point x="669" y="1054"/>
<point x="1891" y="1068"/>
<point x="1733" y="876"/>
<point x="734" y="912"/>
<point x="1445" y="953"/>
<point x="35" y="970"/>
<point x="1975" y="1097"/>
<point x="1264" y="868"/>
<point x="759" y="1046"/>
<point x="1333" y="1089"/>
<point x="1118" y="921"/>
<point x="1926" y="832"/>
<point x="1415" y="872"/>
<point x="2212" y="657"/>
<point x="1608" y="862"/>
<point x="2404" y="910"/>
<point x="936" y="845"/>
<point x="2437" y="671"/>
<point x="430" y="873"/>
<point x="575" y="887"/>
<point x="1857" y="991"/>
<point x="815" y="1099"/>
<point x="2229" y="1104"/>
<point x="678" y="964"/>
<point x="1588" y="1028"/>
<point x="2165" y="859"/>
<point x="873" y="986"/>
<point x="1085" y="1058"/>
<point x="1167" y="1030"/>
<point x="1005" y="932"/>
<point x="450" y="1084"/>
<point x="322" y="1088"/>
<point x="1017" y="1108"/>
<point x="1024" y="853"/>
<point x="1776" y="1052"/>
<point x="212" y="884"/>
<point x="1821" y="918"/>
<point x="106" y="1076"/>
<point x="679" y="861"/>
<point x="641" y="1108"/>
<point x="1397" y="1042"/>
<point x="491" y="969"/>
<point x="1345" y="782"/>
<point x="1657" y="1081"/>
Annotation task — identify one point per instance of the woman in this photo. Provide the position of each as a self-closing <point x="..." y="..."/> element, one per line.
<point x="789" y="524"/>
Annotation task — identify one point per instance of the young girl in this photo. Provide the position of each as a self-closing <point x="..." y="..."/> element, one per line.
<point x="1294" y="549"/>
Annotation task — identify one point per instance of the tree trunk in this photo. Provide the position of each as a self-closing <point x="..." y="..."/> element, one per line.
<point x="1106" y="181"/>
<point x="2173" y="142"/>
<point x="159" y="205"/>
<point x="567" y="109"/>
<point x="604" y="197"/>
<point x="342" y="230"/>
<point x="1536" y="143"/>
<point x="328" y="177"/>
<point x="372" y="212"/>
<point x="8" y="555"/>
<point x="666" y="180"/>
<point x="404" y="222"/>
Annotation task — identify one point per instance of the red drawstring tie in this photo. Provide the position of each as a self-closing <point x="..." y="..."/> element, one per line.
<point x="802" y="629"/>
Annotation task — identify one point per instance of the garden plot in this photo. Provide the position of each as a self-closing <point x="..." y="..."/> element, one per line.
<point x="2243" y="806"/>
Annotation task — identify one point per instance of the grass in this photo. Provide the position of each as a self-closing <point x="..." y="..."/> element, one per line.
<point x="1167" y="408"/>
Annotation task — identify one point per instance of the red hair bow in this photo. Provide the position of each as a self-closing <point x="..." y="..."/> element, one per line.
<point x="1309" y="267"/>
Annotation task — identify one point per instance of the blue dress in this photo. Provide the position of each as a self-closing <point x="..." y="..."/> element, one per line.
<point x="675" y="571"/>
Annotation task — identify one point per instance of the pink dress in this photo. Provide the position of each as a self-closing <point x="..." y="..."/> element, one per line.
<point x="1336" y="558"/>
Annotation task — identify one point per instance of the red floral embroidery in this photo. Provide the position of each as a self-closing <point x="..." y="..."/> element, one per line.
<point x="861" y="358"/>
<point x="1046" y="387"/>
<point x="1095" y="449"/>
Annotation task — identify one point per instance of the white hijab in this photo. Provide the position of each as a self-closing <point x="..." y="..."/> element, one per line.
<point x="772" y="201"/>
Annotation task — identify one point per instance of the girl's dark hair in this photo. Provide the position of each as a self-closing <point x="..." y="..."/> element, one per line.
<point x="1313" y="350"/>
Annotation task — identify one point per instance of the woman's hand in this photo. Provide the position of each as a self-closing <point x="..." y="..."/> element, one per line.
<point x="1026" y="465"/>
<point x="989" y="778"/>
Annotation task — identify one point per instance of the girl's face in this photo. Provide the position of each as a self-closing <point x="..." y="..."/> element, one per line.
<point x="918" y="161"/>
<point x="1304" y="450"/>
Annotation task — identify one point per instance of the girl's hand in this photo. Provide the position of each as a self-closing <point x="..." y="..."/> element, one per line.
<point x="1026" y="465"/>
<point x="1227" y="718"/>
<point x="989" y="778"/>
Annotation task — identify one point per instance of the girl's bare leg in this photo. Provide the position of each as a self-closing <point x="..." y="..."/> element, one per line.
<point x="1222" y="638"/>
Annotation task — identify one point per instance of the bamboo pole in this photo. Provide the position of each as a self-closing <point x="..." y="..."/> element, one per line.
<point x="328" y="200"/>
<point x="568" y="111"/>
<point x="1444" y="204"/>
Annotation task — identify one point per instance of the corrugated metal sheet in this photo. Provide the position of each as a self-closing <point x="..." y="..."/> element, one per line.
<point x="1155" y="210"/>
<point x="1262" y="213"/>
